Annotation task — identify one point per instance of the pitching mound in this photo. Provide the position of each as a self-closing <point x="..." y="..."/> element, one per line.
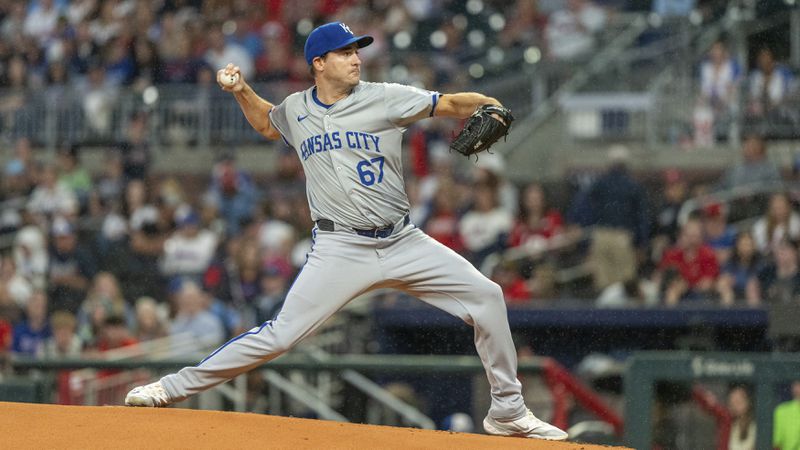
<point x="29" y="426"/>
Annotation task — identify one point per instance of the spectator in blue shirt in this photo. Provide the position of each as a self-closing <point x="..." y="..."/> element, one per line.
<point x="30" y="335"/>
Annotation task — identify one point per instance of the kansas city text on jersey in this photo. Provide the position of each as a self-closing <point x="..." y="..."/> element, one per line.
<point x="355" y="140"/>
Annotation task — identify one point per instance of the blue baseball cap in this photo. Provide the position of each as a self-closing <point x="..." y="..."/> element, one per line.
<point x="332" y="36"/>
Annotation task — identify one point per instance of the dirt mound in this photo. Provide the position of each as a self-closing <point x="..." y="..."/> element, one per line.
<point x="25" y="426"/>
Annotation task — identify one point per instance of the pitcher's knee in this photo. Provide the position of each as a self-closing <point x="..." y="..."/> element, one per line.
<point x="489" y="291"/>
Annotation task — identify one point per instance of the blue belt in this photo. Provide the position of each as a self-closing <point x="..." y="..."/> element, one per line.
<point x="382" y="232"/>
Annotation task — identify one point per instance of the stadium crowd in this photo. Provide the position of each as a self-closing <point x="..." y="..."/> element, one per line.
<point x="123" y="256"/>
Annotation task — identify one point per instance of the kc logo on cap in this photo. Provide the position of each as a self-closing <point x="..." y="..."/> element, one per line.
<point x="329" y="37"/>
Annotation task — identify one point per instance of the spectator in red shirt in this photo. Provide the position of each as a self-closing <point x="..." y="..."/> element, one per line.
<point x="688" y="269"/>
<point x="442" y="224"/>
<point x="537" y="222"/>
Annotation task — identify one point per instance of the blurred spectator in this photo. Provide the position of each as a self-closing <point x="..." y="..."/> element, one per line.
<point x="442" y="223"/>
<point x="15" y="285"/>
<point x="19" y="172"/>
<point x="770" y="85"/>
<point x="31" y="255"/>
<point x="115" y="334"/>
<point x="31" y="334"/>
<point x="786" y="433"/>
<point x="484" y="228"/>
<point x="754" y="169"/>
<point x="779" y="223"/>
<point x="515" y="287"/>
<point x="6" y="336"/>
<point x="111" y="184"/>
<point x="136" y="148"/>
<point x="526" y="25"/>
<point x="98" y="96"/>
<point x="779" y="281"/>
<point x="70" y="268"/>
<point x="276" y="236"/>
<point x="192" y="317"/>
<point x="719" y="84"/>
<point x="737" y="272"/>
<point x="233" y="193"/>
<point x="616" y="205"/>
<point x="673" y="194"/>
<point x="720" y="236"/>
<point x="537" y="222"/>
<point x="150" y="320"/>
<point x="65" y="343"/>
<point x="491" y="168"/>
<point x="41" y="20"/>
<point x="571" y="31"/>
<point x="73" y="176"/>
<point x="220" y="53"/>
<point x="51" y="198"/>
<point x="190" y="249"/>
<point x="743" y="428"/>
<point x="274" y="287"/>
<point x="689" y="269"/>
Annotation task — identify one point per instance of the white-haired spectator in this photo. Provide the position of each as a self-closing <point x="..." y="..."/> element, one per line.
<point x="151" y="320"/>
<point x="194" y="319"/>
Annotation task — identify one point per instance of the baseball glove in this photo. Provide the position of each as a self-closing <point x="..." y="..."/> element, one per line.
<point x="483" y="129"/>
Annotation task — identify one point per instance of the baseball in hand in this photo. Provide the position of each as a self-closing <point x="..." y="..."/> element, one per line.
<point x="229" y="80"/>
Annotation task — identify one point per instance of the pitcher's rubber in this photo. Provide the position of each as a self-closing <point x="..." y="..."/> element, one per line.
<point x="31" y="426"/>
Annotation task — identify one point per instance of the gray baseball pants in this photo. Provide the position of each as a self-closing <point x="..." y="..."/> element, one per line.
<point x="343" y="265"/>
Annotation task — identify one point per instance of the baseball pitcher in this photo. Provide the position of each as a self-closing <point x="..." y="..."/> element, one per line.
<point x="348" y="134"/>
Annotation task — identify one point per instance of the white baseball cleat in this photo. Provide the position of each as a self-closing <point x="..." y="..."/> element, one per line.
<point x="528" y="426"/>
<point x="152" y="395"/>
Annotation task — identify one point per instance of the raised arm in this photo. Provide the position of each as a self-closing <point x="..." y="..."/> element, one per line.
<point x="462" y="104"/>
<point x="255" y="108"/>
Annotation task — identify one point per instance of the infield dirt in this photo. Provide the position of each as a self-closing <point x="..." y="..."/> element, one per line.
<point x="32" y="426"/>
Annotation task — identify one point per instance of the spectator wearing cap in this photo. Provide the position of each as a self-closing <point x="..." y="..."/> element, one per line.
<point x="689" y="269"/>
<point x="781" y="222"/>
<point x="70" y="268"/>
<point x="743" y="264"/>
<point x="754" y="169"/>
<point x="190" y="249"/>
<point x="31" y="334"/>
<point x="616" y="205"/>
<point x="720" y="236"/>
<point x="779" y="281"/>
<point x="233" y="193"/>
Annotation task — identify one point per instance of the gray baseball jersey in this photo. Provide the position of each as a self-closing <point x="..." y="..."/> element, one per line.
<point x="351" y="150"/>
<point x="351" y="153"/>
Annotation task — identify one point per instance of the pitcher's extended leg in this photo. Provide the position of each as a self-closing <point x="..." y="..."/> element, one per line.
<point x="337" y="270"/>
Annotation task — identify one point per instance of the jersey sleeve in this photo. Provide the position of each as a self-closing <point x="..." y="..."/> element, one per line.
<point x="278" y="119"/>
<point x="407" y="104"/>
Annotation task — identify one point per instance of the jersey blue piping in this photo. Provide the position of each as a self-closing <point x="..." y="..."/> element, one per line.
<point x="269" y="322"/>
<point x="317" y="100"/>
<point x="435" y="101"/>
